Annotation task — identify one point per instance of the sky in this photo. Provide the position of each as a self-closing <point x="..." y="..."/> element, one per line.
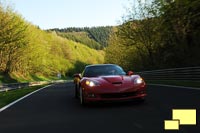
<point x="70" y="13"/>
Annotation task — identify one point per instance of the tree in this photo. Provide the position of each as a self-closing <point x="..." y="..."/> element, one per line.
<point x="181" y="32"/>
<point x="140" y="29"/>
<point x="12" y="38"/>
<point x="117" y="53"/>
<point x="164" y="34"/>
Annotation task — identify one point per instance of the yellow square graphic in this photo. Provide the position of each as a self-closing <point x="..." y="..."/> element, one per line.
<point x="186" y="116"/>
<point x="171" y="125"/>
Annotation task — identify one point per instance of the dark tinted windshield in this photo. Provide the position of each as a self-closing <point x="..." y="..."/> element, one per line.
<point x="104" y="70"/>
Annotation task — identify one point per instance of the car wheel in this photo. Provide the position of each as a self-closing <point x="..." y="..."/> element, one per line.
<point x="76" y="92"/>
<point x="82" y="101"/>
<point x="141" y="99"/>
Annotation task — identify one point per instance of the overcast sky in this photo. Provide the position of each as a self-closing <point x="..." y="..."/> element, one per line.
<point x="70" y="13"/>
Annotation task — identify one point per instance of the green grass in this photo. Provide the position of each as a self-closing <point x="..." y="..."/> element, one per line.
<point x="175" y="82"/>
<point x="6" y="78"/>
<point x="12" y="95"/>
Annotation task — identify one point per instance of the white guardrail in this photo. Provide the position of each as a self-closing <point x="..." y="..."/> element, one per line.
<point x="186" y="73"/>
<point x="6" y="87"/>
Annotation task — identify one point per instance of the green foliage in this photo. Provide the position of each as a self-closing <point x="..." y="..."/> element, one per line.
<point x="81" y="37"/>
<point x="182" y="32"/>
<point x="12" y="39"/>
<point x="99" y="35"/>
<point x="49" y="54"/>
<point x="158" y="35"/>
<point x="28" y="53"/>
<point x="116" y="53"/>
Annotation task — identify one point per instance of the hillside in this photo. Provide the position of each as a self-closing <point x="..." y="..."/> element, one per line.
<point x="94" y="37"/>
<point x="81" y="37"/>
<point x="29" y="53"/>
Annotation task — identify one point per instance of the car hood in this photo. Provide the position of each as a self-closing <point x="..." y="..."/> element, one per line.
<point x="113" y="84"/>
<point x="113" y="79"/>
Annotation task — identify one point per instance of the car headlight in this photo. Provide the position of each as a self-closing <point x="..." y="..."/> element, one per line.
<point x="138" y="80"/>
<point x="91" y="83"/>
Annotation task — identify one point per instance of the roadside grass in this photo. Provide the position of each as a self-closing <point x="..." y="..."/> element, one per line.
<point x="12" y="95"/>
<point x="17" y="78"/>
<point x="32" y="78"/>
<point x="184" y="83"/>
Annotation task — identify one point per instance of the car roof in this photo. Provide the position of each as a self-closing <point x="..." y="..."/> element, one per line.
<point x="101" y="65"/>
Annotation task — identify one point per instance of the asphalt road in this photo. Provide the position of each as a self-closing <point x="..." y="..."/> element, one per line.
<point x="55" y="110"/>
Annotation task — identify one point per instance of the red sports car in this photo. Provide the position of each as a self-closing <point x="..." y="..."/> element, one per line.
<point x="108" y="82"/>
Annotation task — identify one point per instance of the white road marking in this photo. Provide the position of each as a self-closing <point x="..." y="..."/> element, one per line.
<point x="11" y="104"/>
<point x="193" y="88"/>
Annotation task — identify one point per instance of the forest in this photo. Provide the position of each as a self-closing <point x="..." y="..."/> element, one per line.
<point x="93" y="37"/>
<point x="157" y="35"/>
<point x="153" y="35"/>
<point x="28" y="53"/>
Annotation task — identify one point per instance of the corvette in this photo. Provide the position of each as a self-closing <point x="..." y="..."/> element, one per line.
<point x="108" y="82"/>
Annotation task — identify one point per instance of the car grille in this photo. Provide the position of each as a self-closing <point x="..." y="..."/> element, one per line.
<point x="118" y="95"/>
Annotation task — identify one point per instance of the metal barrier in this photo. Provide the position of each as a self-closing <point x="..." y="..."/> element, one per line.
<point x="6" y="87"/>
<point x="187" y="73"/>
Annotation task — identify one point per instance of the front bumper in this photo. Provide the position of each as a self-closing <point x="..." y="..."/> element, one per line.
<point x="93" y="97"/>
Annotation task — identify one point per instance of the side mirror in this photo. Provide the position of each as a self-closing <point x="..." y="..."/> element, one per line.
<point x="129" y="73"/>
<point x="77" y="78"/>
<point x="78" y="75"/>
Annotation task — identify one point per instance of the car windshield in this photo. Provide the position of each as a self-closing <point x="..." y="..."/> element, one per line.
<point x="104" y="70"/>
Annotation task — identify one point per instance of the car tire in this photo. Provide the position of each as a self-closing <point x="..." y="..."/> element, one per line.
<point x="76" y="91"/>
<point x="81" y="97"/>
<point x="141" y="100"/>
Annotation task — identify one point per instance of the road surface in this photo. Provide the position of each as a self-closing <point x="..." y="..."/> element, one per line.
<point x="55" y="110"/>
